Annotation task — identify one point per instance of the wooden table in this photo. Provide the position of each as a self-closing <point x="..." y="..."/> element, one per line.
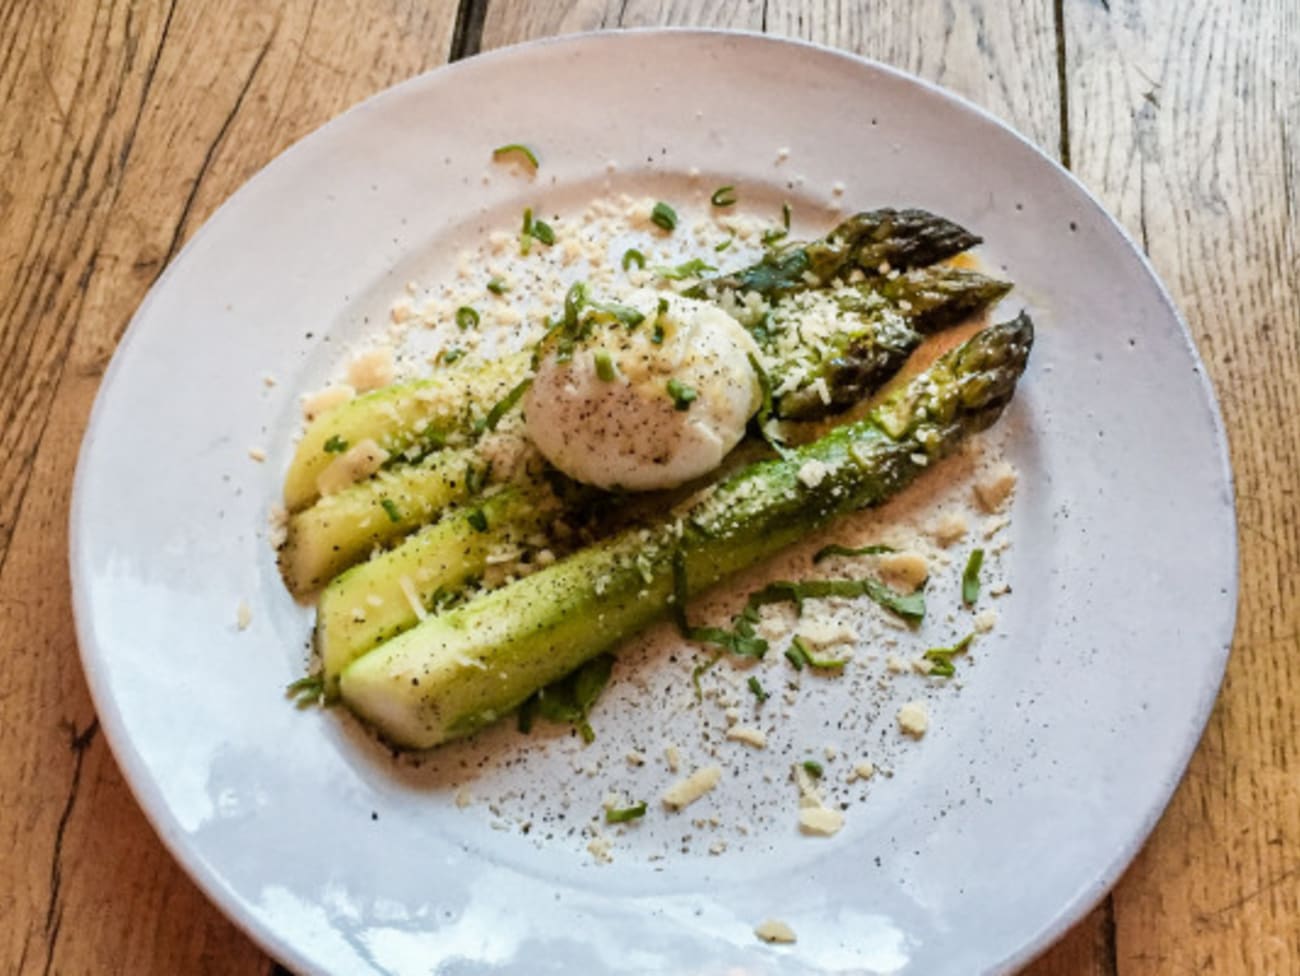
<point x="124" y="125"/>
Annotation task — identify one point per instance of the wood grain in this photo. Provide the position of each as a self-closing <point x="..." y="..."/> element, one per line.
<point x="1185" y="119"/>
<point x="125" y="127"/>
<point x="126" y="124"/>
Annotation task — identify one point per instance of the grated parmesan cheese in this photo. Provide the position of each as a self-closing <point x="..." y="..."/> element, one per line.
<point x="776" y="931"/>
<point x="686" y="791"/>
<point x="914" y="719"/>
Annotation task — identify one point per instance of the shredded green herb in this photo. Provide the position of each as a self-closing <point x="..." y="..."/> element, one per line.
<point x="813" y="768"/>
<point x="476" y="478"/>
<point x="757" y="689"/>
<point x="806" y="656"/>
<point x="664" y="216"/>
<point x="909" y="606"/>
<point x="516" y="148"/>
<point x="526" y="232"/>
<point x="604" y="365"/>
<point x="571" y="698"/>
<point x="624" y="814"/>
<point x="335" y="445"/>
<point x="940" y="658"/>
<point x="452" y="354"/>
<point x="834" y="549"/>
<point x="497" y="286"/>
<point x="306" y="691"/>
<point x="741" y="640"/>
<point x="698" y="670"/>
<point x="970" y="577"/>
<point x="477" y="520"/>
<point x="504" y="405"/>
<point x="764" y="416"/>
<point x="723" y="196"/>
<point x="724" y="245"/>
<point x="795" y="654"/>
<point x="543" y="232"/>
<point x="390" y="509"/>
<point x="694" y="268"/>
<point x="466" y="317"/>
<point x="683" y="395"/>
<point x="607" y="311"/>
<point x="632" y="256"/>
<point x="785" y="216"/>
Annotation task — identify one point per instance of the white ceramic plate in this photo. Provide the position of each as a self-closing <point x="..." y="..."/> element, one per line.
<point x="1023" y="806"/>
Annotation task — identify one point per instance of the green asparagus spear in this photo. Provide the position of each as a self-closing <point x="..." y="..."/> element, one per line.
<point x="421" y="415"/>
<point x="872" y="243"/>
<point x="827" y="350"/>
<point x="377" y="600"/>
<point x="459" y="671"/>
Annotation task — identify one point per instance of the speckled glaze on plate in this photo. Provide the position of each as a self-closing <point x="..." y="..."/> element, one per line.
<point x="1030" y="798"/>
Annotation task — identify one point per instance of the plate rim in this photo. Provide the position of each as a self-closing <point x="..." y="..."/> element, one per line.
<point x="142" y="785"/>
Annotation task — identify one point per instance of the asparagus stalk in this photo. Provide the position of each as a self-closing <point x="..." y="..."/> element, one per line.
<point x="872" y="243"/>
<point x="461" y="670"/>
<point x="423" y="415"/>
<point x="877" y="326"/>
<point x="377" y="600"/>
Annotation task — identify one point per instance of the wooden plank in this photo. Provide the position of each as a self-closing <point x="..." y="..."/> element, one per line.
<point x="124" y="128"/>
<point x="1184" y="119"/>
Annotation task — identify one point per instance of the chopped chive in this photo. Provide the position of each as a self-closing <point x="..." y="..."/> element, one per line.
<point x="770" y="237"/>
<point x="476" y="478"/>
<point x="813" y="768"/>
<point x="497" y="286"/>
<point x="390" y="509"/>
<point x="970" y="578"/>
<point x="940" y="658"/>
<point x="909" y="606"/>
<point x="452" y="354"/>
<point x="516" y="147"/>
<point x="604" y="311"/>
<point x="682" y="394"/>
<point x="543" y="232"/>
<point x="724" y="245"/>
<point x="624" y="814"/>
<point x="335" y="445"/>
<point x="837" y="550"/>
<point x="632" y="256"/>
<point x="757" y="689"/>
<point x="795" y="654"/>
<point x="723" y="196"/>
<point x="466" y="317"/>
<point x="664" y="216"/>
<point x="800" y="646"/>
<point x="526" y="232"/>
<point x="604" y="365"/>
<point x="698" y="670"/>
<point x="502" y="406"/>
<point x="574" y="299"/>
<point x="306" y="690"/>
<point x="785" y="216"/>
<point x="694" y="268"/>
<point x="477" y="520"/>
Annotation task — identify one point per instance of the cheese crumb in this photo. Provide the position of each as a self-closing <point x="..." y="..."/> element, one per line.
<point x="864" y="769"/>
<point x="895" y="664"/>
<point x="315" y="404"/>
<point x="774" y="930"/>
<point x="996" y="487"/>
<point x="357" y="462"/>
<point x="257" y="454"/>
<point x="464" y="798"/>
<point x="372" y="369"/>
<point x="949" y="527"/>
<point x="821" y="632"/>
<point x="813" y="473"/>
<point x="904" y="570"/>
<point x="600" y="847"/>
<point x="750" y="736"/>
<point x="673" y="756"/>
<point x="243" y="615"/>
<point x="821" y="821"/>
<point x="635" y="758"/>
<point x="985" y="621"/>
<point x="914" y="719"/>
<point x="686" y="791"/>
